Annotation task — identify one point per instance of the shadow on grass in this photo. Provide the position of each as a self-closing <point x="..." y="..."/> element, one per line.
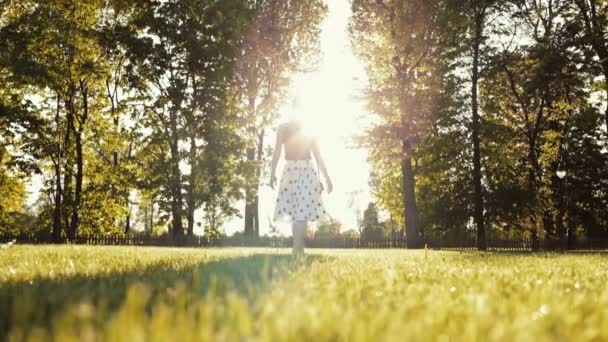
<point x="36" y="303"/>
<point x="527" y="253"/>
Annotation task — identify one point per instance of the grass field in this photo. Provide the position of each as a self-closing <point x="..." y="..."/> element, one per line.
<point x="163" y="294"/>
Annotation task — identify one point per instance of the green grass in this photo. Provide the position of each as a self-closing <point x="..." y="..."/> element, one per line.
<point x="159" y="294"/>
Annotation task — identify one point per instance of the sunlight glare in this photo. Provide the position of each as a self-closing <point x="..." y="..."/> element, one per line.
<point x="325" y="102"/>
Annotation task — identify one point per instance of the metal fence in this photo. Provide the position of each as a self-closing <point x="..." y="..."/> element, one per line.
<point x="523" y="244"/>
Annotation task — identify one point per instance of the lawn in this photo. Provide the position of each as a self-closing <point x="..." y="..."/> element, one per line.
<point x="162" y="294"/>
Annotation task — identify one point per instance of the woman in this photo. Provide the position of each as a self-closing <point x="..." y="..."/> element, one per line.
<point x="299" y="199"/>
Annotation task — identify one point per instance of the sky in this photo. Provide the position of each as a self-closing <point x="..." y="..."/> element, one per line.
<point x="327" y="102"/>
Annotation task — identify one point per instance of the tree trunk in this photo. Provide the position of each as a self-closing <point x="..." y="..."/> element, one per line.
<point x="116" y="123"/>
<point x="176" y="208"/>
<point x="410" y="210"/>
<point x="256" y="216"/>
<point x="532" y="194"/>
<point x="533" y="172"/>
<point x="57" y="205"/>
<point x="605" y="65"/>
<point x="127" y="193"/>
<point x="249" y="199"/>
<point x="190" y="200"/>
<point x="67" y="198"/>
<point x="78" y="188"/>
<point x="477" y="194"/>
<point x="176" y="188"/>
<point x="128" y="221"/>
<point x="56" y="231"/>
<point x="561" y="227"/>
<point x="535" y="241"/>
<point x="256" y="202"/>
<point x="569" y="209"/>
<point x="556" y="229"/>
<point x="151" y="214"/>
<point x="571" y="226"/>
<point x="79" y="161"/>
<point x="251" y="191"/>
<point x="549" y="224"/>
<point x="128" y="215"/>
<point x="115" y="163"/>
<point x="190" y="229"/>
<point x="68" y="170"/>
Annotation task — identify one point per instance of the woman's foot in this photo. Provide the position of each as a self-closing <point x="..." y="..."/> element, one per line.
<point x="297" y="252"/>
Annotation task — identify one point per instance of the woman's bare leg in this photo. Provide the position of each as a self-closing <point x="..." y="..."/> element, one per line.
<point x="298" y="230"/>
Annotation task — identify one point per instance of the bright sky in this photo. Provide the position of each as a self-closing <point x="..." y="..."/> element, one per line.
<point x="327" y="101"/>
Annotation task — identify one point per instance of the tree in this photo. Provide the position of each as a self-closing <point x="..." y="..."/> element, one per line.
<point x="371" y="224"/>
<point x="283" y="38"/>
<point x="54" y="47"/>
<point x="118" y="134"/>
<point x="489" y="116"/>
<point x="329" y="228"/>
<point x="536" y="89"/>
<point x="397" y="41"/>
<point x="188" y="66"/>
<point x="478" y="15"/>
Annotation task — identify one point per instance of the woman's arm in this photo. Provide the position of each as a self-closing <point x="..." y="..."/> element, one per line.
<point x="276" y="154"/>
<point x="319" y="159"/>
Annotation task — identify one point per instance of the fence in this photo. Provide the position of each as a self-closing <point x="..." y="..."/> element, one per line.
<point x="523" y="244"/>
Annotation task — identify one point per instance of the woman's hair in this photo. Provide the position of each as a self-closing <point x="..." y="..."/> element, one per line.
<point x="295" y="112"/>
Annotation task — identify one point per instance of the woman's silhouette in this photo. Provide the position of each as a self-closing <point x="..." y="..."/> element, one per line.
<point x="299" y="193"/>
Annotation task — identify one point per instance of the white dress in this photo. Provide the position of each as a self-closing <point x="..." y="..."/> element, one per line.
<point x="299" y="197"/>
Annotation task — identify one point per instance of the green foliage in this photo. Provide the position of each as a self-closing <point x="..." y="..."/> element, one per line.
<point x="537" y="95"/>
<point x="444" y="164"/>
<point x="161" y="108"/>
<point x="120" y="101"/>
<point x="189" y="69"/>
<point x="329" y="228"/>
<point x="12" y="201"/>
<point x="372" y="230"/>
<point x="55" y="52"/>
<point x="351" y="234"/>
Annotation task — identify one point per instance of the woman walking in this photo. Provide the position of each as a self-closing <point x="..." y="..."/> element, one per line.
<point x="299" y="194"/>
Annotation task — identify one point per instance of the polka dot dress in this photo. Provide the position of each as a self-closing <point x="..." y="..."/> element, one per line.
<point x="300" y="190"/>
